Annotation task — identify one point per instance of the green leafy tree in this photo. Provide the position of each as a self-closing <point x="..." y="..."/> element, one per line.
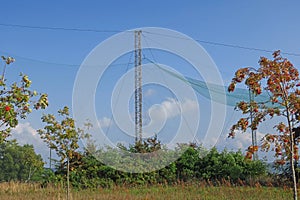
<point x="16" y="101"/>
<point x="146" y="146"/>
<point x="280" y="80"/>
<point x="19" y="163"/>
<point x="63" y="136"/>
<point x="228" y="165"/>
<point x="186" y="163"/>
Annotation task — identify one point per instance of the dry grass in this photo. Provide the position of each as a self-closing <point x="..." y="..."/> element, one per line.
<point x="14" y="191"/>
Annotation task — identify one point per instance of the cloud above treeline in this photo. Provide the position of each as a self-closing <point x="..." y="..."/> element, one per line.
<point x="24" y="133"/>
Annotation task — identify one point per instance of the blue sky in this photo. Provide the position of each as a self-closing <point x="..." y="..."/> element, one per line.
<point x="51" y="58"/>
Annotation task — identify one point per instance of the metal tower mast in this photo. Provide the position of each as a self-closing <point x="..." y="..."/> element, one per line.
<point x="138" y="86"/>
<point x="253" y="132"/>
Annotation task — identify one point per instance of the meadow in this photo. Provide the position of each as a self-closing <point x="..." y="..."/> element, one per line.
<point x="15" y="191"/>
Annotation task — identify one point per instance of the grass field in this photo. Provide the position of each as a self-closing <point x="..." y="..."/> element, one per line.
<point x="13" y="191"/>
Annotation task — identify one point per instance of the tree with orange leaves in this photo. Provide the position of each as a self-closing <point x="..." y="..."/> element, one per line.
<point x="280" y="80"/>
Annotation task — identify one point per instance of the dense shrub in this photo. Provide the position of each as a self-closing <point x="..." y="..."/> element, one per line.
<point x="89" y="172"/>
<point x="191" y="166"/>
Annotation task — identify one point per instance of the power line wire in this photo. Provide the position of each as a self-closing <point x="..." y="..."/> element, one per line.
<point x="223" y="44"/>
<point x="149" y="32"/>
<point x="118" y="31"/>
<point x="56" y="63"/>
<point x="60" y="28"/>
<point x="166" y="35"/>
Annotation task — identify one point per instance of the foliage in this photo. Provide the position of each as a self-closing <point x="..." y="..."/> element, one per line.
<point x="62" y="135"/>
<point x="280" y="79"/>
<point x="19" y="163"/>
<point x="228" y="165"/>
<point x="16" y="101"/>
<point x="186" y="164"/>
<point x="147" y="146"/>
<point x="92" y="173"/>
<point x="88" y="172"/>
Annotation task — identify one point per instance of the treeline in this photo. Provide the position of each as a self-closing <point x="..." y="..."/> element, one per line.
<point x="83" y="169"/>
<point x="20" y="163"/>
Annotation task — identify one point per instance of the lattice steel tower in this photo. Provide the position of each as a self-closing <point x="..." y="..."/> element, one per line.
<point x="253" y="132"/>
<point x="138" y="86"/>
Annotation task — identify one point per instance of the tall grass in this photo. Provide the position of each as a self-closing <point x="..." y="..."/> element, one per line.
<point x="200" y="190"/>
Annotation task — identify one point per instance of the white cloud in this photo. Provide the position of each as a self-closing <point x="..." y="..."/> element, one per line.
<point x="171" y="108"/>
<point x="149" y="92"/>
<point x="25" y="128"/>
<point x="241" y="141"/>
<point x="105" y="122"/>
<point x="189" y="105"/>
<point x="24" y="133"/>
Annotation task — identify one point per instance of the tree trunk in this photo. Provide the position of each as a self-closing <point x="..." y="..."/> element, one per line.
<point x="292" y="156"/>
<point x="293" y="168"/>
<point x="68" y="178"/>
